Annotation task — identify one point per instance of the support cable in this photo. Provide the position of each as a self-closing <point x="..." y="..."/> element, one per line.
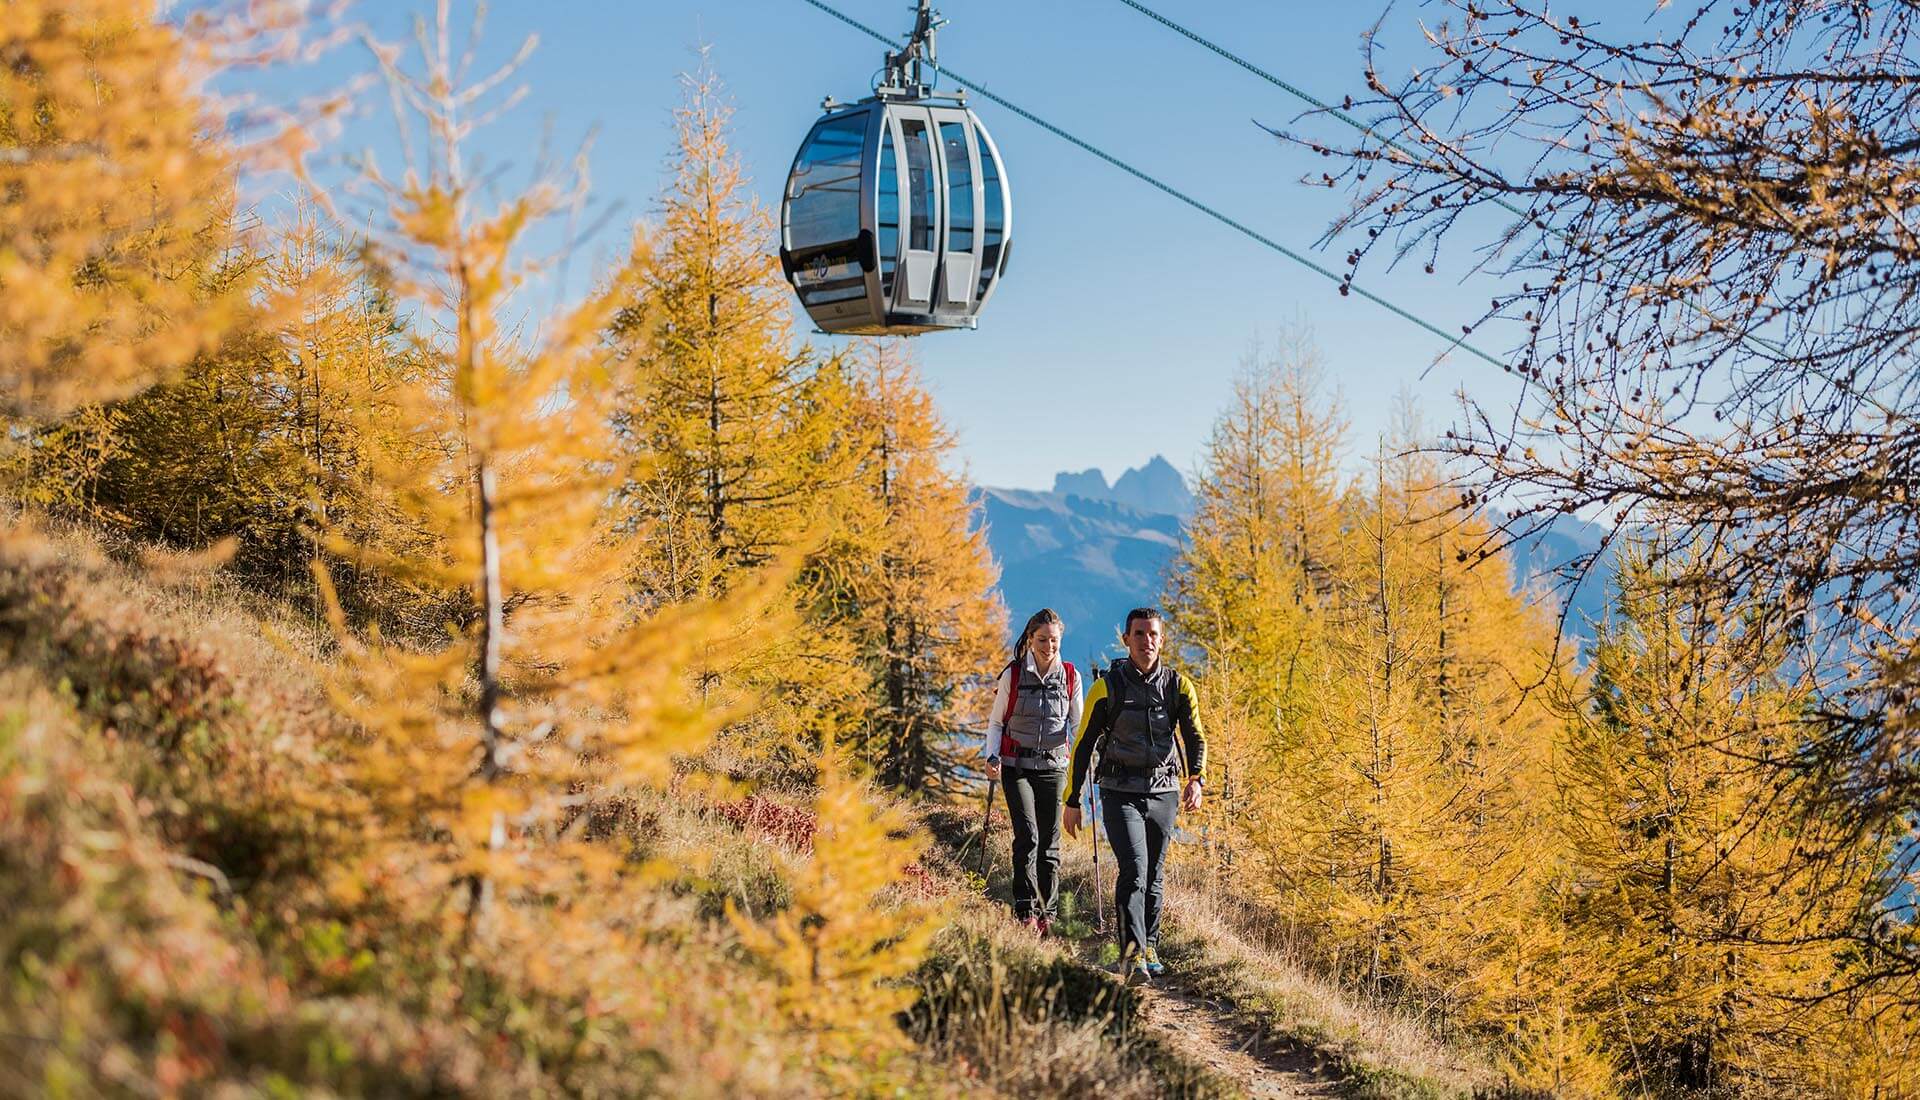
<point x="1263" y="74"/>
<point x="1763" y="343"/>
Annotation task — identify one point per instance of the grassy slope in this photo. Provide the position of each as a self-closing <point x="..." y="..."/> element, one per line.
<point x="168" y="837"/>
<point x="169" y="840"/>
<point x="169" y="846"/>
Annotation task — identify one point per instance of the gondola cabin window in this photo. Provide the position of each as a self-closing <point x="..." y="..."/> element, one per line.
<point x="823" y="207"/>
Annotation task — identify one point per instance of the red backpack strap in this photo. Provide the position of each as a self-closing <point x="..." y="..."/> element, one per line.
<point x="1013" y="691"/>
<point x="1073" y="678"/>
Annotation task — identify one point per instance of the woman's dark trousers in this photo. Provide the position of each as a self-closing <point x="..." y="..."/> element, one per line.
<point x="1138" y="826"/>
<point x="1033" y="801"/>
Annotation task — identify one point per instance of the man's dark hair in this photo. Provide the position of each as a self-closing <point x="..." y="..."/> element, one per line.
<point x="1141" y="613"/>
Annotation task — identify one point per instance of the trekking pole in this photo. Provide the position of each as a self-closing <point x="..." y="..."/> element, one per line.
<point x="986" y="847"/>
<point x="1093" y="835"/>
<point x="1099" y="890"/>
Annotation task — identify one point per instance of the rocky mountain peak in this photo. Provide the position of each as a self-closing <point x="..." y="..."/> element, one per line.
<point x="1090" y="483"/>
<point x="1155" y="488"/>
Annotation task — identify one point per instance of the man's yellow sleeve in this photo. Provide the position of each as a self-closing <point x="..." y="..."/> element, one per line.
<point x="1191" y="730"/>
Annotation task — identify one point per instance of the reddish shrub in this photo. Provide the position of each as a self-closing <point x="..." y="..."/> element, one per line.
<point x="792" y="826"/>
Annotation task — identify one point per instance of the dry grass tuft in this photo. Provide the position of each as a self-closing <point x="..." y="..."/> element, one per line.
<point x="1025" y="1018"/>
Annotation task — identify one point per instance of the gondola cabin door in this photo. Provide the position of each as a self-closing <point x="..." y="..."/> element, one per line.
<point x="921" y="184"/>
<point x="960" y="267"/>
<point x="939" y="160"/>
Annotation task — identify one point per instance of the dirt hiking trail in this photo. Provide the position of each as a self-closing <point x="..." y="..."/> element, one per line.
<point x="1209" y="1033"/>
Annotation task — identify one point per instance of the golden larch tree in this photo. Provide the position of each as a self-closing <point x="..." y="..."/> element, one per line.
<point x="734" y="425"/>
<point x="266" y="440"/>
<point x="845" y="947"/>
<point x="1704" y="238"/>
<point x="1712" y="914"/>
<point x="548" y="685"/>
<point x="114" y="202"/>
<point x="1249" y="584"/>
<point x="914" y="577"/>
<point x="1413" y="826"/>
<point x="739" y="445"/>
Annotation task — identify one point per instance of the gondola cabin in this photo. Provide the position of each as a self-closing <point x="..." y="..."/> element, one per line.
<point x="896" y="218"/>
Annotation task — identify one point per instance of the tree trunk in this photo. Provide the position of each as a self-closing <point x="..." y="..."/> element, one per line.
<point x="493" y="628"/>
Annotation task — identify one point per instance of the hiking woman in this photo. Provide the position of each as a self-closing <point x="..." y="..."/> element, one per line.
<point x="1036" y="708"/>
<point x="1143" y="722"/>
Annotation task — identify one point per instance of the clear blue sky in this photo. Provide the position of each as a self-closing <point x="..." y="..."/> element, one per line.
<point x="1124" y="315"/>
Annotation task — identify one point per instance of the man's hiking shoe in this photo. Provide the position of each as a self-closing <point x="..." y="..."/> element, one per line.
<point x="1044" y="926"/>
<point x="1137" y="972"/>
<point x="1032" y="924"/>
<point x="1152" y="960"/>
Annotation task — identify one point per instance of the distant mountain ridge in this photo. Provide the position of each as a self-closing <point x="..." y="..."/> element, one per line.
<point x="1092" y="550"/>
<point x="1153" y="489"/>
<point x="1087" y="549"/>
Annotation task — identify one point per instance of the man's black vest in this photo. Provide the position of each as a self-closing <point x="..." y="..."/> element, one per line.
<point x="1139" y="752"/>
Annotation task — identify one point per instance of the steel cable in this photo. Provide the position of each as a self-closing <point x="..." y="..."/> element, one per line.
<point x="1762" y="342"/>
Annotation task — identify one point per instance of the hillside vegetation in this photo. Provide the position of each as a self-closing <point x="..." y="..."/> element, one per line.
<point x="175" y="853"/>
<point x="408" y="689"/>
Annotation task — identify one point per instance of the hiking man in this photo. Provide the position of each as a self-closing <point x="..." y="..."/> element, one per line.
<point x="1142" y="721"/>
